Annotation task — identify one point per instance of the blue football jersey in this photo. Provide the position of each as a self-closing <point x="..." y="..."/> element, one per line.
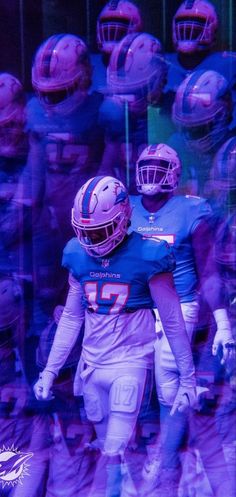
<point x="175" y="223"/>
<point x="71" y="142"/>
<point x="118" y="282"/>
<point x="65" y="152"/>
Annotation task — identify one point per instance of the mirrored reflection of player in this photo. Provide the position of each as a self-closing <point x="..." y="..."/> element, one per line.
<point x="184" y="222"/>
<point x="13" y="156"/>
<point x="136" y="76"/>
<point x="24" y="431"/>
<point x="70" y="464"/>
<point x="223" y="196"/>
<point x="113" y="292"/>
<point x="195" y="29"/>
<point x="202" y="112"/>
<point x="117" y="19"/>
<point x="66" y="144"/>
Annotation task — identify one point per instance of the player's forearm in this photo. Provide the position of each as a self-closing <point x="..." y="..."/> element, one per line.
<point x="167" y="302"/>
<point x="174" y="328"/>
<point x="210" y="284"/>
<point x="65" y="338"/>
<point x="68" y="330"/>
<point x="212" y="291"/>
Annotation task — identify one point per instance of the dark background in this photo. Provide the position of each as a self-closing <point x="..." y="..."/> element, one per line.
<point x="24" y="24"/>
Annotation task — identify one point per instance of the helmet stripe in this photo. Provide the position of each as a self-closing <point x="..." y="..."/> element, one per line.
<point x="113" y="4"/>
<point x="88" y="195"/>
<point x="152" y="149"/>
<point x="47" y="55"/>
<point x="188" y="90"/>
<point x="189" y="4"/>
<point x="123" y="53"/>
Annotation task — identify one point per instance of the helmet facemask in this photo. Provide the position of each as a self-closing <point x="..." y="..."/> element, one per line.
<point x="194" y="27"/>
<point x="156" y="175"/>
<point x="116" y="20"/>
<point x="100" y="240"/>
<point x="192" y="34"/>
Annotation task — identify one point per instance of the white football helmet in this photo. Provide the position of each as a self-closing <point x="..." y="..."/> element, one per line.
<point x="158" y="169"/>
<point x="194" y="26"/>
<point x="137" y="71"/>
<point x="117" y="19"/>
<point x="101" y="215"/>
<point x="61" y="73"/>
<point x="202" y="109"/>
<point x="12" y="115"/>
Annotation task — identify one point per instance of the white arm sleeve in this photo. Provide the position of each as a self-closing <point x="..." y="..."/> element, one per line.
<point x="167" y="302"/>
<point x="68" y="328"/>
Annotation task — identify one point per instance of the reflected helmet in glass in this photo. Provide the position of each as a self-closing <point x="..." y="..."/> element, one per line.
<point x="194" y="26"/>
<point x="12" y="114"/>
<point x="116" y="20"/>
<point x="202" y="109"/>
<point x="137" y="70"/>
<point x="61" y="72"/>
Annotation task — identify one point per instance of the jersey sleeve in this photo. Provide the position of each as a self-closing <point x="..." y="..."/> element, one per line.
<point x="159" y="255"/>
<point x="70" y="256"/>
<point x="200" y="210"/>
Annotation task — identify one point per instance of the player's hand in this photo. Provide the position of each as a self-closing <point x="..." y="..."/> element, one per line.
<point x="224" y="341"/>
<point x="186" y="397"/>
<point x="43" y="387"/>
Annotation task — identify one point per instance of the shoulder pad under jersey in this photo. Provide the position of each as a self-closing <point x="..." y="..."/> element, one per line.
<point x="159" y="252"/>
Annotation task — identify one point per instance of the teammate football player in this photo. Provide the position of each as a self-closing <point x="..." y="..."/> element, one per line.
<point x="114" y="279"/>
<point x="183" y="222"/>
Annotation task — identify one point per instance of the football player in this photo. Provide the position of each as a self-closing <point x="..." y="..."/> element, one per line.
<point x="194" y="35"/>
<point x="66" y="145"/>
<point x="202" y="113"/>
<point x="114" y="279"/>
<point x="133" y="108"/>
<point x="183" y="222"/>
<point x="13" y="158"/>
<point x="117" y="19"/>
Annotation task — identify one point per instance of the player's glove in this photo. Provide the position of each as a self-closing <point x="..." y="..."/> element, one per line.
<point x="186" y="397"/>
<point x="43" y="387"/>
<point x="223" y="337"/>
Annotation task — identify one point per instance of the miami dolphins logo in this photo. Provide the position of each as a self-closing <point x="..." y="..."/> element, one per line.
<point x="13" y="466"/>
<point x="120" y="193"/>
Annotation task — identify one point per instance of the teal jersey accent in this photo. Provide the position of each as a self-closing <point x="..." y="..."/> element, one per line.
<point x="175" y="223"/>
<point x="119" y="281"/>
